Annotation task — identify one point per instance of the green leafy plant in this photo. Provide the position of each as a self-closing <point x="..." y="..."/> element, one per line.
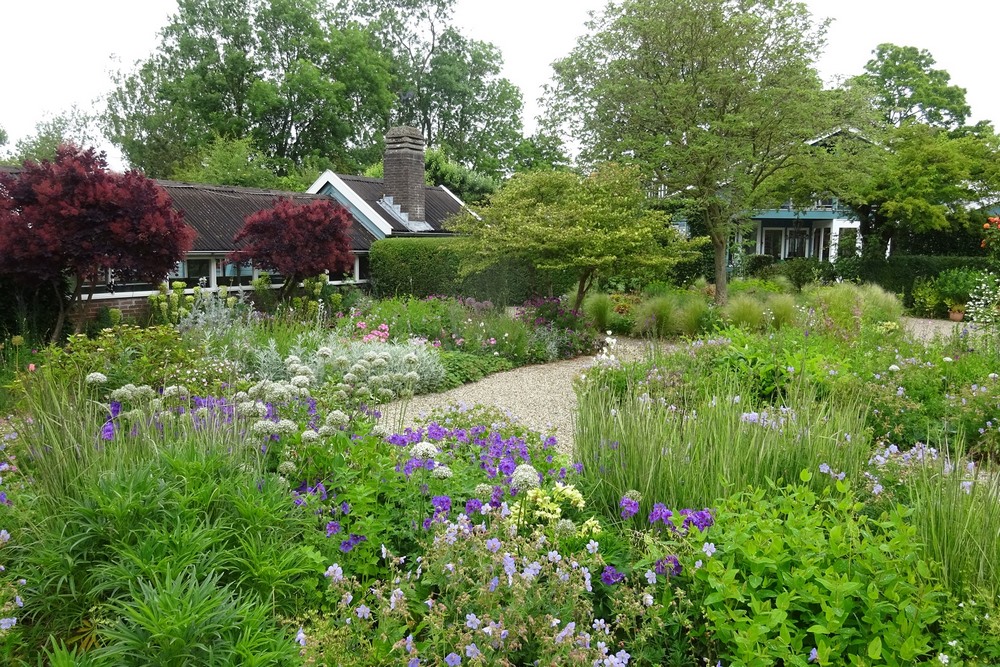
<point x="801" y="576"/>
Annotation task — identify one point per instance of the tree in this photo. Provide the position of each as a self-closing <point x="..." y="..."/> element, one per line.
<point x="905" y="88"/>
<point x="446" y="84"/>
<point x="3" y="136"/>
<point x="237" y="162"/>
<point x="540" y="151"/>
<point x="297" y="240"/>
<point x="69" y="127"/>
<point x="273" y="71"/>
<point x="711" y="98"/>
<point x="72" y="218"/>
<point x="918" y="179"/>
<point x="913" y="167"/>
<point x="558" y="220"/>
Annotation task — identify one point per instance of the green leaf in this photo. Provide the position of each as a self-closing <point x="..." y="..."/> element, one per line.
<point x="805" y="476"/>
<point x="875" y="649"/>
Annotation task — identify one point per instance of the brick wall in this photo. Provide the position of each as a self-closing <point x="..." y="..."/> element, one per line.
<point x="134" y="309"/>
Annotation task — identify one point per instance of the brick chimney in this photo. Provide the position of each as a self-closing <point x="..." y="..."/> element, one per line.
<point x="404" y="170"/>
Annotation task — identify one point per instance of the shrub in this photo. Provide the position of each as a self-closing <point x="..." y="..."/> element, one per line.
<point x="800" y="271"/>
<point x="898" y="273"/>
<point x="799" y="576"/>
<point x="461" y="368"/>
<point x="954" y="286"/>
<point x="759" y="266"/>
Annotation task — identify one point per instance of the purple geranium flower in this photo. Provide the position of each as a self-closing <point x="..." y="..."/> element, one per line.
<point x="611" y="576"/>
<point x="630" y="507"/>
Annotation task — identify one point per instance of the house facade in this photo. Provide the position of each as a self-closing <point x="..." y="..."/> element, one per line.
<point x="822" y="230"/>
<point x="398" y="205"/>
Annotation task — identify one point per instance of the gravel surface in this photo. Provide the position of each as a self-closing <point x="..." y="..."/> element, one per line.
<point x="542" y="396"/>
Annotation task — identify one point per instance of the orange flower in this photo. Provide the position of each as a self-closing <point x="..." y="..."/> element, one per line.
<point x="983" y="244"/>
<point x="986" y="226"/>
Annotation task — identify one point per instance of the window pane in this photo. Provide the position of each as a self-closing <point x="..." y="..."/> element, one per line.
<point x="772" y="242"/>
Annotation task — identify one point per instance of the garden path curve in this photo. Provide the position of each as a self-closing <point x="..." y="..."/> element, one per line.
<point x="542" y="396"/>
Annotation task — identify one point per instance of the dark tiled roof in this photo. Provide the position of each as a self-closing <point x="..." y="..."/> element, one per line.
<point x="438" y="207"/>
<point x="217" y="212"/>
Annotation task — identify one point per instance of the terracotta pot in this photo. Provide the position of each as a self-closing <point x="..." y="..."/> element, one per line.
<point x="955" y="315"/>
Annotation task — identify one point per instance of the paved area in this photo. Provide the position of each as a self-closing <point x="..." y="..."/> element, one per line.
<point x="542" y="396"/>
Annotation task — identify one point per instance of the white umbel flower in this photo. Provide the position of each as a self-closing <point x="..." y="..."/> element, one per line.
<point x="423" y="450"/>
<point x="96" y="378"/>
<point x="525" y="477"/>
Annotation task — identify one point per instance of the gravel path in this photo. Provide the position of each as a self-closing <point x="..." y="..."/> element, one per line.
<point x="542" y="396"/>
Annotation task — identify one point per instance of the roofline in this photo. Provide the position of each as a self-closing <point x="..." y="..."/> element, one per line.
<point x="353" y="201"/>
<point x="460" y="202"/>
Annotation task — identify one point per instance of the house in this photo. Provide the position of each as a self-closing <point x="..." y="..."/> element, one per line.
<point x="819" y="231"/>
<point x="400" y="204"/>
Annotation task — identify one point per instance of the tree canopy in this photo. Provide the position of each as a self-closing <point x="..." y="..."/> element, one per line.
<point x="909" y="165"/>
<point x="297" y="240"/>
<point x="905" y="87"/>
<point x="274" y="71"/>
<point x="710" y="98"/>
<point x="558" y="220"/>
<point x="237" y="162"/>
<point x="72" y="218"/>
<point x="444" y="83"/>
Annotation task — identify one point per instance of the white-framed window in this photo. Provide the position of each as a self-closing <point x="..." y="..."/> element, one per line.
<point x="771" y="242"/>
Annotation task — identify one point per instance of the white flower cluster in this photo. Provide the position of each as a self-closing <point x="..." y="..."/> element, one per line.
<point x="270" y="391"/>
<point x="525" y="477"/>
<point x="266" y="428"/>
<point x="96" y="378"/>
<point x="441" y="472"/>
<point x="132" y="393"/>
<point x="423" y="450"/>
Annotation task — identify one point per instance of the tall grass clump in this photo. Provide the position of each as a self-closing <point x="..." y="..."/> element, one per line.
<point x="745" y="312"/>
<point x="599" y="309"/>
<point x="878" y="305"/>
<point x="657" y="317"/>
<point x="694" y="316"/>
<point x="955" y="509"/>
<point x="716" y="443"/>
<point x="783" y="310"/>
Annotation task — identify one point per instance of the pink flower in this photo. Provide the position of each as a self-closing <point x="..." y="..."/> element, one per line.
<point x="31" y="368"/>
<point x="362" y="325"/>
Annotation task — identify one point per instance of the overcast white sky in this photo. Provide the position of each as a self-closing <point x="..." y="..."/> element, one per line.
<point x="58" y="53"/>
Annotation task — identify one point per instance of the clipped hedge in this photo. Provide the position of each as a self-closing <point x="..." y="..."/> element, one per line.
<point x="898" y="273"/>
<point x="421" y="267"/>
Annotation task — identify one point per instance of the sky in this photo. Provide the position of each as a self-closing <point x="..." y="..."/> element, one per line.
<point x="60" y="53"/>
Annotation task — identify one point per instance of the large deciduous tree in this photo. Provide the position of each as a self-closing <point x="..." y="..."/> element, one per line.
<point x="297" y="240"/>
<point x="905" y="87"/>
<point x="710" y="98"/>
<point x="274" y="71"/>
<point x="446" y="84"/>
<point x="558" y="220"/>
<point x="912" y="166"/>
<point x="72" y="218"/>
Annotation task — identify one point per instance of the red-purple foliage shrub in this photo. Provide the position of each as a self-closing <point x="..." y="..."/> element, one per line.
<point x="72" y="218"/>
<point x="297" y="240"/>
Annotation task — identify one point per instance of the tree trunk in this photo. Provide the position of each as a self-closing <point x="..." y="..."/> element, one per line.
<point x="63" y="307"/>
<point x="586" y="279"/>
<point x="721" y="278"/>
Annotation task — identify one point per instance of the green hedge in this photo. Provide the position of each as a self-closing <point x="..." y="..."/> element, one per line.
<point x="898" y="273"/>
<point x="422" y="267"/>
